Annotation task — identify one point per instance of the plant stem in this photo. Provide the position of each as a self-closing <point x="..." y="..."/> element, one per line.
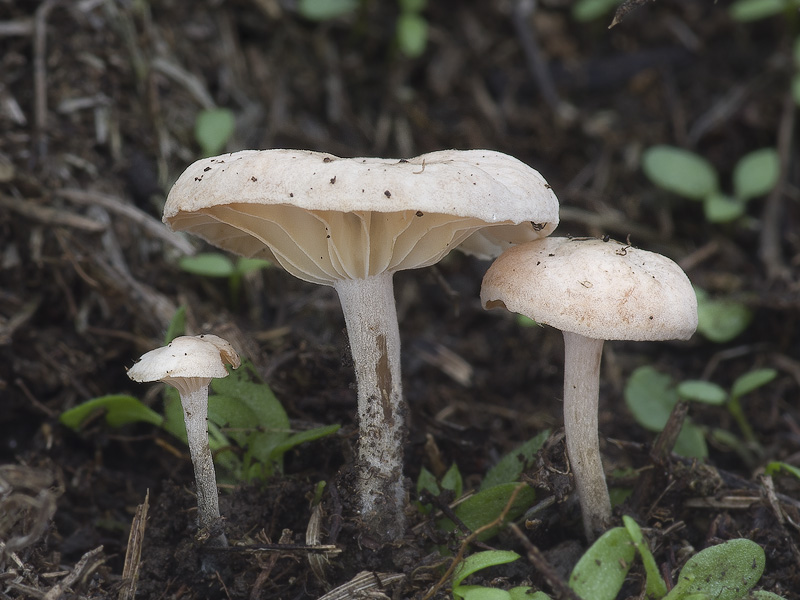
<point x="371" y="318"/>
<point x="581" y="394"/>
<point x="195" y="414"/>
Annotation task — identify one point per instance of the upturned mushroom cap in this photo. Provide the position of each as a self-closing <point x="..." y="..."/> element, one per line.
<point x="325" y="218"/>
<point x="186" y="357"/>
<point x="602" y="290"/>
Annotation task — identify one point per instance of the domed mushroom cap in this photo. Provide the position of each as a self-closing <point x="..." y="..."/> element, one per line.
<point x="188" y="357"/>
<point x="601" y="290"/>
<point x="325" y="218"/>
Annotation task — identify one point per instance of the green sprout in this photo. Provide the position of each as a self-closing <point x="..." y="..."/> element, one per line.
<point x="216" y="264"/>
<point x="589" y="10"/>
<point x="249" y="430"/>
<point x="213" y="128"/>
<point x="411" y="28"/>
<point x="720" y="319"/>
<point x="755" y="10"/>
<point x="651" y="396"/>
<point x="691" y="176"/>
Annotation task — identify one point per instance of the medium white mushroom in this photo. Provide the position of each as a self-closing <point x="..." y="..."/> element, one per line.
<point x="592" y="290"/>
<point x="350" y="224"/>
<point x="188" y="364"/>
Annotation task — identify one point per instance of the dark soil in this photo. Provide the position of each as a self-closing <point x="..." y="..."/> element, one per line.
<point x="98" y="101"/>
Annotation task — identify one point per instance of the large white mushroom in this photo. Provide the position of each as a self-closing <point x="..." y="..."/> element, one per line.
<point x="350" y="224"/>
<point x="592" y="290"/>
<point x="189" y="363"/>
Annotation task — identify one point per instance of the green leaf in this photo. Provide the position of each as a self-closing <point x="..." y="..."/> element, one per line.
<point x="721" y="320"/>
<point x="208" y="264"/>
<point x="176" y="326"/>
<point x="481" y="560"/>
<point x="589" y="10"/>
<point x="427" y="481"/>
<point x="723" y="572"/>
<point x="412" y="34"/>
<point x="325" y="10"/>
<point x="756" y="173"/>
<point x="601" y="570"/>
<point x="524" y="321"/>
<point x="720" y="208"/>
<point x="453" y="481"/>
<point x="655" y="587"/>
<point x="650" y="396"/>
<point x="302" y="437"/>
<point x="776" y="466"/>
<point x="213" y="128"/>
<point x="764" y="595"/>
<point x="702" y="391"/>
<point x="680" y="172"/>
<point x="412" y="6"/>
<point x="751" y="381"/>
<point x="510" y="467"/>
<point x="479" y="592"/>
<point x="754" y="10"/>
<point x="119" y="410"/>
<point x="691" y="442"/>
<point x="174" y="422"/>
<point x="257" y="396"/>
<point x="247" y="265"/>
<point x="486" y="506"/>
<point x="523" y="592"/>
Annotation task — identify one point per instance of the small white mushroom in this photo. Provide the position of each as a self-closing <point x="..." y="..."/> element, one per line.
<point x="592" y="290"/>
<point x="188" y="364"/>
<point x="350" y="224"/>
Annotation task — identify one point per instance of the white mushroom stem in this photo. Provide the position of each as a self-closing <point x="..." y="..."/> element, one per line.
<point x="371" y="319"/>
<point x="194" y="399"/>
<point x="581" y="392"/>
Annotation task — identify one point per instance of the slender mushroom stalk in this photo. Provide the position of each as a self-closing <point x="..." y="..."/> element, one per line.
<point x="188" y="364"/>
<point x="592" y="290"/>
<point x="581" y="396"/>
<point x="350" y="224"/>
<point x="372" y="328"/>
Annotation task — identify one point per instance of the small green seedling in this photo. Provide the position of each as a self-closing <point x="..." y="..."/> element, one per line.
<point x="411" y="30"/>
<point x="601" y="571"/>
<point x="720" y="319"/>
<point x="727" y="571"/>
<point x="655" y="587"/>
<point x="651" y="396"/>
<point x="777" y="467"/>
<point x="484" y="560"/>
<point x="325" y="10"/>
<point x="249" y="430"/>
<point x="755" y="10"/>
<point x="691" y="176"/>
<point x="213" y="128"/>
<point x="589" y="10"/>
<point x="724" y="572"/>
<point x="486" y="505"/>
<point x="216" y="264"/>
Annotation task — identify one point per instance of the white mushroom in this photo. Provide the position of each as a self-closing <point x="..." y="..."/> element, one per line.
<point x="188" y="364"/>
<point x="350" y="224"/>
<point x="592" y="290"/>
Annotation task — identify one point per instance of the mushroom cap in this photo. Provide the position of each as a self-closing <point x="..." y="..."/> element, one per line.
<point x="201" y="357"/>
<point x="325" y="218"/>
<point x="597" y="289"/>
